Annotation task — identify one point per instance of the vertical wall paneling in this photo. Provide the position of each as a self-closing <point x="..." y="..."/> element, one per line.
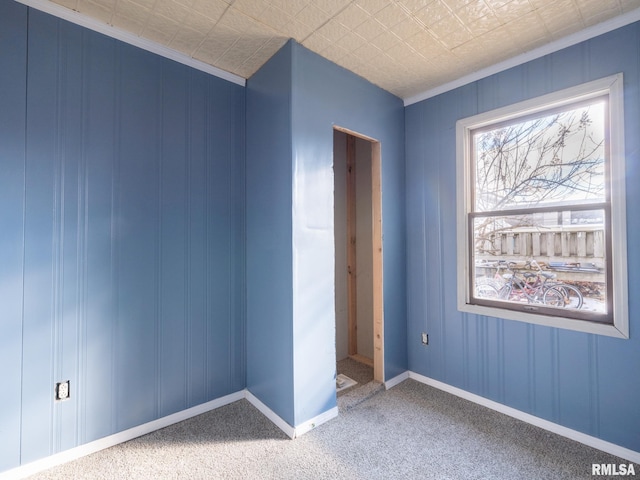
<point x="43" y="234"/>
<point x="13" y="47"/>
<point x="578" y="380"/>
<point x="173" y="192"/>
<point x="100" y="151"/>
<point x="136" y="216"/>
<point x="125" y="268"/>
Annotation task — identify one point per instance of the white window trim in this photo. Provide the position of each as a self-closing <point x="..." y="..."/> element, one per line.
<point x="612" y="86"/>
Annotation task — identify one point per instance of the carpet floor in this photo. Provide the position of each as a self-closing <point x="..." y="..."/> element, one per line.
<point x="411" y="431"/>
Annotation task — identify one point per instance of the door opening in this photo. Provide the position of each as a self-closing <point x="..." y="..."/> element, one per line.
<point x="358" y="247"/>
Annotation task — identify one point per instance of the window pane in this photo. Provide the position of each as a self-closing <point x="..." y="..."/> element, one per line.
<point x="543" y="249"/>
<point x="555" y="159"/>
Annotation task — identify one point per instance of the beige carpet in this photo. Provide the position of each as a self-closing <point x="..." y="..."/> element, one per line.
<point x="409" y="432"/>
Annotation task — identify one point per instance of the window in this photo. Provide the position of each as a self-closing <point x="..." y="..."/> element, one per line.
<point x="541" y="211"/>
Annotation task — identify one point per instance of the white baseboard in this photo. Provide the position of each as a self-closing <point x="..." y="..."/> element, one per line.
<point x="117" y="438"/>
<point x="121" y="437"/>
<point x="271" y="415"/>
<point x="316" y="421"/>
<point x="291" y="432"/>
<point x="580" y="437"/>
<point x="396" y="380"/>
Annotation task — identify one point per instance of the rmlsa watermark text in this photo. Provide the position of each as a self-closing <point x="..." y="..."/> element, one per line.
<point x="613" y="469"/>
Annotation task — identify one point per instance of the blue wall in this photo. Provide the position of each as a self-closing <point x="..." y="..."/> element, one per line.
<point x="13" y="68"/>
<point x="293" y="103"/>
<point x="585" y="382"/>
<point x="122" y="235"/>
<point x="326" y="95"/>
<point x="269" y="260"/>
<point x="123" y="247"/>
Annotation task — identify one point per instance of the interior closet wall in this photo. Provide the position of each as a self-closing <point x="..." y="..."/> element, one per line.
<point x="364" y="253"/>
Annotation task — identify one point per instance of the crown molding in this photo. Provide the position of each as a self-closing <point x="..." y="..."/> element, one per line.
<point x="130" y="38"/>
<point x="568" y="41"/>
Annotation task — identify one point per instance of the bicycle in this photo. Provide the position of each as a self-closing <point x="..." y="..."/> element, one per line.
<point x="569" y="295"/>
<point x="528" y="287"/>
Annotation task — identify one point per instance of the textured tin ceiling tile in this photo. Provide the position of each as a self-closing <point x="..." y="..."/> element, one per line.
<point x="369" y="29"/>
<point x="292" y="7"/>
<point x="171" y="9"/>
<point x="484" y="25"/>
<point x="352" y="41"/>
<point x="132" y="10"/>
<point x="333" y="31"/>
<point x="297" y="30"/>
<point x="187" y="41"/>
<point x="252" y="8"/>
<point x="132" y="25"/>
<point x="276" y="18"/>
<point x="391" y="15"/>
<point x="212" y="9"/>
<point x="161" y="37"/>
<point x="312" y="16"/>
<point x="385" y="40"/>
<point x="93" y="10"/>
<point x="331" y="6"/>
<point x="407" y="28"/>
<point x="404" y="46"/>
<point x="434" y="12"/>
<point x="372" y="6"/>
<point x="473" y="11"/>
<point x="198" y="22"/>
<point x="316" y="42"/>
<point x="352" y="16"/>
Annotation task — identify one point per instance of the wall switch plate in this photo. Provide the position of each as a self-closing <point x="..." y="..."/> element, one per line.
<point x="425" y="339"/>
<point x="62" y="390"/>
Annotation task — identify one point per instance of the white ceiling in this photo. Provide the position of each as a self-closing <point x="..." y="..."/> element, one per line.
<point x="404" y="46"/>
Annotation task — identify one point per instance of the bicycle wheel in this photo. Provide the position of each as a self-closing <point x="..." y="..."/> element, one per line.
<point x="553" y="298"/>
<point x="571" y="296"/>
<point x="563" y="296"/>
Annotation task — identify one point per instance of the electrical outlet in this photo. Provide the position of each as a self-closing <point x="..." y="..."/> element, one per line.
<point x="425" y="339"/>
<point x="62" y="390"/>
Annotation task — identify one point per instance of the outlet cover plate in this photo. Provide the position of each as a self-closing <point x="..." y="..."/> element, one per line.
<point x="62" y="390"/>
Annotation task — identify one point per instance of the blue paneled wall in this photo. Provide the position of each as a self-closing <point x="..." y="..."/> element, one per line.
<point x="121" y="234"/>
<point x="123" y="237"/>
<point x="293" y="103"/>
<point x="13" y="68"/>
<point x="585" y="382"/>
<point x="326" y="95"/>
<point x="269" y="242"/>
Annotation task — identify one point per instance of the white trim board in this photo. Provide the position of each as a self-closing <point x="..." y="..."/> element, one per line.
<point x="117" y="438"/>
<point x="130" y="38"/>
<point x="396" y="380"/>
<point x="271" y="415"/>
<point x="291" y="432"/>
<point x="135" y="432"/>
<point x="568" y="41"/>
<point x="569" y="433"/>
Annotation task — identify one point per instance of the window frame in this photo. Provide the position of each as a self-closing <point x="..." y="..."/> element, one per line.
<point x="611" y="87"/>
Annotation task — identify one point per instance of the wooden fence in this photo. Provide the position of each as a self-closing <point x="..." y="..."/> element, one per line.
<point x="576" y="252"/>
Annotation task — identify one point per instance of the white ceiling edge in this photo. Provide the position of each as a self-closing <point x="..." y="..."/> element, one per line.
<point x="568" y="41"/>
<point x="130" y="38"/>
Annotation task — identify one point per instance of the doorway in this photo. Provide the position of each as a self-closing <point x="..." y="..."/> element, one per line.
<point x="358" y="255"/>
